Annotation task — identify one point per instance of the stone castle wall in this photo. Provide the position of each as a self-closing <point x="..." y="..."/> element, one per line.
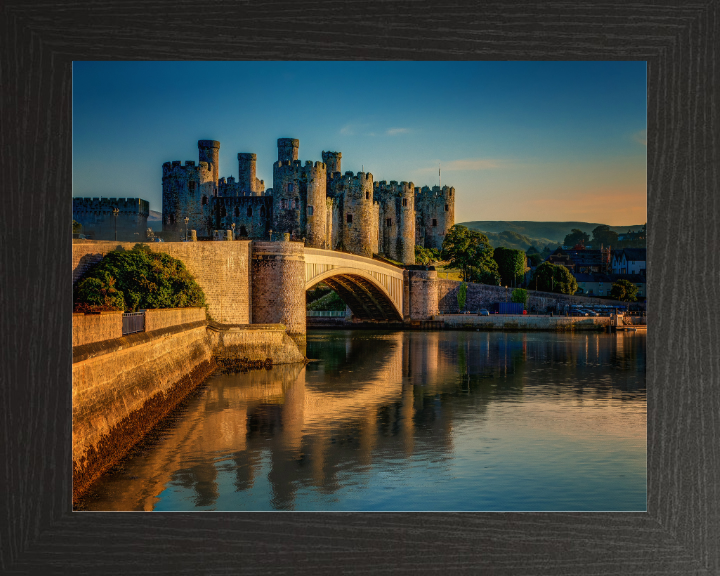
<point x="221" y="269"/>
<point x="160" y="318"/>
<point x="99" y="222"/>
<point x="423" y="294"/>
<point x="89" y="328"/>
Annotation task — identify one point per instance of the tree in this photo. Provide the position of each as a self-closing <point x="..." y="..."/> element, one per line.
<point x="462" y="296"/>
<point x="520" y="296"/>
<point x="603" y="235"/>
<point x="143" y="279"/>
<point x="426" y="256"/>
<point x="554" y="278"/>
<point x="624" y="290"/>
<point x="511" y="265"/>
<point x="76" y="227"/>
<point x="532" y="250"/>
<point x="470" y="251"/>
<point x="576" y="236"/>
<point x="534" y="259"/>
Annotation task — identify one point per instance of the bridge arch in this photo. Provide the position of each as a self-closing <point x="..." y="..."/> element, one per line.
<point x="373" y="290"/>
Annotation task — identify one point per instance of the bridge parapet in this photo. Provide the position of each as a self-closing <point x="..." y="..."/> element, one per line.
<point x="372" y="289"/>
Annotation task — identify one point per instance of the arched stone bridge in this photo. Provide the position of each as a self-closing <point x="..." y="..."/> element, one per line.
<point x="372" y="289"/>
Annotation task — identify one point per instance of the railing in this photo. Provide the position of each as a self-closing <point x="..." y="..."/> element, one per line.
<point x="326" y="313"/>
<point x="133" y="322"/>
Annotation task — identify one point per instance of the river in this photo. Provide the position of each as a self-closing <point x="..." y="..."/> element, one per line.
<point x="406" y="421"/>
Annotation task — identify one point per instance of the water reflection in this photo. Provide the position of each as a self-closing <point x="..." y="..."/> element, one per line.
<point x="408" y="420"/>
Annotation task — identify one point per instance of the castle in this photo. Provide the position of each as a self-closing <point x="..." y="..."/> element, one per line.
<point x="314" y="201"/>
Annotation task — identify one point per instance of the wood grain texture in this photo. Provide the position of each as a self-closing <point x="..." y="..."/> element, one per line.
<point x="680" y="533"/>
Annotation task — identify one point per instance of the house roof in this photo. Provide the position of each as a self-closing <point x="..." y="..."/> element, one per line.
<point x="636" y="254"/>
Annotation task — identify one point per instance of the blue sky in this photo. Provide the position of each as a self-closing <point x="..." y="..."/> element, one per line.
<point x="545" y="141"/>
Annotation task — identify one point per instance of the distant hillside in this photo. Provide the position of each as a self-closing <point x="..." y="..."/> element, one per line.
<point x="518" y="241"/>
<point x="542" y="232"/>
<point x="154" y="221"/>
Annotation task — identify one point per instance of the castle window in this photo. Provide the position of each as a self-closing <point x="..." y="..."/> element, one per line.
<point x="449" y="193"/>
<point x="237" y="211"/>
<point x="434" y="222"/>
<point x="191" y="186"/>
<point x="367" y="195"/>
<point x="204" y="200"/>
<point x="404" y="201"/>
<point x="223" y="212"/>
<point x="172" y="218"/>
<point x="310" y="210"/>
<point x="349" y="218"/>
<point x="243" y="231"/>
<point x="262" y="210"/>
<point x="249" y="211"/>
<point x="290" y="187"/>
<point x="388" y="222"/>
<point x="447" y="208"/>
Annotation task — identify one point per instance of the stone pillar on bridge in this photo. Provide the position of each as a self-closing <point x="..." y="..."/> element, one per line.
<point x="423" y="294"/>
<point x="278" y="287"/>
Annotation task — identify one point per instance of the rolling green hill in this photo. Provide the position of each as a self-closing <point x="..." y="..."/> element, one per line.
<point x="521" y="234"/>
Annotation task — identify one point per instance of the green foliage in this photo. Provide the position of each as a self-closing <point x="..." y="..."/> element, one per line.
<point x="99" y="293"/>
<point x="483" y="276"/>
<point x="576" y="236"/>
<point x="534" y="259"/>
<point x="554" y="278"/>
<point x="76" y="227"/>
<point x="605" y="236"/>
<point x="468" y="251"/>
<point x="511" y="265"/>
<point x="330" y="301"/>
<point x="624" y="290"/>
<point x="462" y="296"/>
<point x="144" y="279"/>
<point x="520" y="296"/>
<point x="426" y="256"/>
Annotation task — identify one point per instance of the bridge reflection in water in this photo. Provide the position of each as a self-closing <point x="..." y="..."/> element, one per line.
<point x="389" y="410"/>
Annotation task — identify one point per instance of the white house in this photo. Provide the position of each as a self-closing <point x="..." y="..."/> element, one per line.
<point x="629" y="261"/>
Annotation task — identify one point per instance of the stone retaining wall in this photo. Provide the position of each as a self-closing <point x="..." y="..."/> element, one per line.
<point x="123" y="387"/>
<point x="221" y="269"/>
<point x="155" y="319"/>
<point x="524" y="322"/>
<point x="481" y="296"/>
<point x="88" y="328"/>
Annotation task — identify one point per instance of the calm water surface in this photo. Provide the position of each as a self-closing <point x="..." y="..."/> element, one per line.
<point x="408" y="421"/>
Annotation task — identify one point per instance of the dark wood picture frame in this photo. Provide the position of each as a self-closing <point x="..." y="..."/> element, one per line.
<point x="680" y="533"/>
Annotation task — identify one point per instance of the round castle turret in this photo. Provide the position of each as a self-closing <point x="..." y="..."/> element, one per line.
<point x="187" y="191"/>
<point x="299" y="200"/>
<point x="435" y="209"/>
<point x="333" y="161"/>
<point x="397" y="220"/>
<point x="288" y="149"/>
<point x="209" y="151"/>
<point x="357" y="225"/>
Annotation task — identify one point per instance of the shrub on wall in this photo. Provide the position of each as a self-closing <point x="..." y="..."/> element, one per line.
<point x="519" y="296"/>
<point x="462" y="296"/>
<point x="137" y="278"/>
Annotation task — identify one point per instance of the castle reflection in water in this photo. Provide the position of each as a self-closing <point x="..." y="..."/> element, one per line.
<point x="369" y="397"/>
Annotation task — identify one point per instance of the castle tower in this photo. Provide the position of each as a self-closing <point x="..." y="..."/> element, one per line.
<point x="188" y="192"/>
<point x="209" y="151"/>
<point x="299" y="200"/>
<point x="288" y="149"/>
<point x="436" y="209"/>
<point x="246" y="172"/>
<point x="356" y="226"/>
<point x="397" y="220"/>
<point x="333" y="162"/>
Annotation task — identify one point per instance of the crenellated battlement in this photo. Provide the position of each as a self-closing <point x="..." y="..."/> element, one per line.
<point x="295" y="169"/>
<point x="175" y="168"/>
<point x="394" y="189"/>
